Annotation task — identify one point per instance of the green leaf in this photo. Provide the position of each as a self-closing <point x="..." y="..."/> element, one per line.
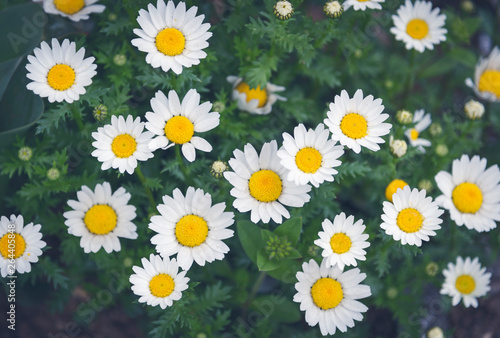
<point x="291" y="229"/>
<point x="250" y="238"/>
<point x="286" y="271"/>
<point x="294" y="254"/>
<point x="264" y="263"/>
<point x="277" y="308"/>
<point x="7" y="69"/>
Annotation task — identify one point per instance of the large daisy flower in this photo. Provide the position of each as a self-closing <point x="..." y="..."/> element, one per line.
<point x="422" y="121"/>
<point x="191" y="228"/>
<point x="176" y="123"/>
<point x="486" y="83"/>
<point x="172" y="37"/>
<point x="122" y="143"/>
<point x="60" y="73"/>
<point x="419" y="26"/>
<point x="255" y="100"/>
<point x="358" y="121"/>
<point x="260" y="184"/>
<point x="310" y="156"/>
<point x="471" y="193"/>
<point x="342" y="241"/>
<point x="329" y="296"/>
<point x="465" y="280"/>
<point x="75" y="10"/>
<point x="362" y="4"/>
<point x="20" y="245"/>
<point x="159" y="281"/>
<point x="411" y="217"/>
<point x="99" y="217"/>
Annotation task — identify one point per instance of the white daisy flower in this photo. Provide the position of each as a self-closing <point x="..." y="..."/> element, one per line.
<point x="172" y="37"/>
<point x="465" y="280"/>
<point x="159" y="281"/>
<point x="99" y="217"/>
<point x="486" y="83"/>
<point x="471" y="193"/>
<point x="342" y="241"/>
<point x="422" y="121"/>
<point x="176" y="123"/>
<point x="260" y="184"/>
<point x="20" y="245"/>
<point x="122" y="143"/>
<point x="358" y="121"/>
<point x="419" y="26"/>
<point x="411" y="217"/>
<point x="75" y="10"/>
<point x="191" y="228"/>
<point x="255" y="100"/>
<point x="363" y="4"/>
<point x="329" y="296"/>
<point x="60" y="73"/>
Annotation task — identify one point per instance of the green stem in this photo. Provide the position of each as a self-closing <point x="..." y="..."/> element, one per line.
<point x="255" y="288"/>
<point x="182" y="166"/>
<point x="77" y="117"/>
<point x="410" y="78"/>
<point x="149" y="194"/>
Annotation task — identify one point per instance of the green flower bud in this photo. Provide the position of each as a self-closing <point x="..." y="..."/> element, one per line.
<point x="53" y="174"/>
<point x="25" y="153"/>
<point x="333" y="9"/>
<point x="100" y="112"/>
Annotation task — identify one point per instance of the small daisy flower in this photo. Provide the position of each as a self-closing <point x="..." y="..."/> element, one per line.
<point x="422" y="121"/>
<point x="173" y="37"/>
<point x="174" y="122"/>
<point x="358" y="121"/>
<point x="411" y="217"/>
<point x="59" y="72"/>
<point x="283" y="10"/>
<point x="99" y="217"/>
<point x="310" y="156"/>
<point x="393" y="187"/>
<point x="20" y="245"/>
<point x="260" y="184"/>
<point x="75" y="10"/>
<point x="333" y="9"/>
<point x="471" y="193"/>
<point x="191" y="228"/>
<point x="474" y="110"/>
<point x="363" y="4"/>
<point x="121" y="144"/>
<point x="419" y="26"/>
<point x="486" y="83"/>
<point x="329" y="296"/>
<point x="465" y="280"/>
<point x="158" y="281"/>
<point x="343" y="241"/>
<point x="255" y="100"/>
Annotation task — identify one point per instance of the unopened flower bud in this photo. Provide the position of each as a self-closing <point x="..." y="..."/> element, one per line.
<point x="442" y="150"/>
<point x="217" y="168"/>
<point x="119" y="59"/>
<point x="53" y="174"/>
<point x="283" y="10"/>
<point x="431" y="269"/>
<point x="435" y="129"/>
<point x="25" y="153"/>
<point x="398" y="147"/>
<point x="100" y="112"/>
<point x="474" y="109"/>
<point x="333" y="9"/>
<point x="404" y="116"/>
<point x="425" y="185"/>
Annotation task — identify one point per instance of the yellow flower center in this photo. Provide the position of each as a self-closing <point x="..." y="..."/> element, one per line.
<point x="161" y="285"/>
<point x="327" y="293"/>
<point x="417" y="29"/>
<point x="69" y="7"/>
<point x="340" y="243"/>
<point x="414" y="134"/>
<point x="179" y="129"/>
<point x="308" y="160"/>
<point x="490" y="82"/>
<point x="191" y="230"/>
<point x="12" y="247"/>
<point x="467" y="198"/>
<point x="170" y="41"/>
<point x="363" y="0"/>
<point x="465" y="284"/>
<point x="265" y="185"/>
<point x="124" y="145"/>
<point x="256" y="93"/>
<point x="61" y="77"/>
<point x="393" y="187"/>
<point x="101" y="219"/>
<point x="354" y="126"/>
<point x="409" y="220"/>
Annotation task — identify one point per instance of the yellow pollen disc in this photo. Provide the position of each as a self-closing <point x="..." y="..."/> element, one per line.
<point x="61" y="77"/>
<point x="179" y="129"/>
<point x="414" y="134"/>
<point x="467" y="198"/>
<point x="417" y="29"/>
<point x="265" y="185"/>
<point x="490" y="82"/>
<point x="170" y="41"/>
<point x="123" y="146"/>
<point x="308" y="160"/>
<point x="101" y="219"/>
<point x="354" y="126"/>
<point x="255" y="93"/>
<point x="327" y="293"/>
<point x="363" y="0"/>
<point x="16" y="248"/>
<point x="340" y="243"/>
<point x="409" y="220"/>
<point x="191" y="230"/>
<point x="69" y="7"/>
<point x="393" y="187"/>
<point x="161" y="285"/>
<point x="465" y="284"/>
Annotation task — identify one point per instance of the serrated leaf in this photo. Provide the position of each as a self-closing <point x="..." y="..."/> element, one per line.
<point x="250" y="238"/>
<point x="291" y="229"/>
